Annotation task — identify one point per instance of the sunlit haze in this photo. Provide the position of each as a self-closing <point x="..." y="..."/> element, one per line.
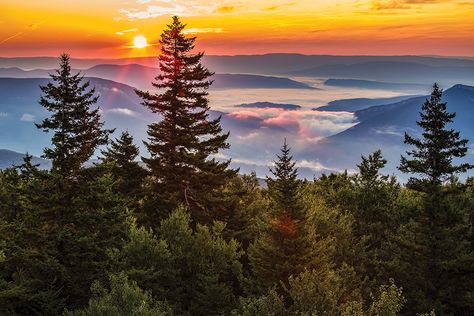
<point x="109" y="29"/>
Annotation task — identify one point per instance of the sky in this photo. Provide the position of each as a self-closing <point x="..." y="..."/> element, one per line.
<point x="106" y="28"/>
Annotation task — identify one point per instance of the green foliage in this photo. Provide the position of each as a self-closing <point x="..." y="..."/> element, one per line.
<point x="247" y="211"/>
<point x="128" y="174"/>
<point x="55" y="240"/>
<point x="77" y="126"/>
<point x="284" y="189"/>
<point x="432" y="158"/>
<point x="270" y="304"/>
<point x="196" y="271"/>
<point x="181" y="143"/>
<point x="283" y="248"/>
<point x="316" y="293"/>
<point x="124" y="298"/>
<point x="389" y="302"/>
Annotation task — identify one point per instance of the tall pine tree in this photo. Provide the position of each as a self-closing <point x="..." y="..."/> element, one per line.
<point x="76" y="125"/>
<point x="282" y="250"/>
<point x="434" y="256"/>
<point x="181" y="144"/>
<point x="433" y="157"/>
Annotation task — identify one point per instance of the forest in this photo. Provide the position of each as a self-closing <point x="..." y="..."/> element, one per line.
<point x="175" y="231"/>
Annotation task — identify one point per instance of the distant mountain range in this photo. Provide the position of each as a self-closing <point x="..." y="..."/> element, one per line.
<point x="357" y="104"/>
<point x="253" y="64"/>
<point x="269" y="105"/>
<point x="391" y="71"/>
<point x="141" y="77"/>
<point x="383" y="127"/>
<point x="376" y="85"/>
<point x="121" y="108"/>
<point x="417" y="69"/>
<point x="381" y="123"/>
<point x="9" y="158"/>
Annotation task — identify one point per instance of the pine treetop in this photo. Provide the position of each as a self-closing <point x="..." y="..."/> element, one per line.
<point x="284" y="188"/>
<point x="77" y="127"/>
<point x="180" y="145"/>
<point x="433" y="155"/>
<point x="121" y="151"/>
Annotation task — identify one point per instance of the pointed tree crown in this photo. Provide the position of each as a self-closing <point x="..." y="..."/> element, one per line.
<point x="78" y="130"/>
<point x="432" y="157"/>
<point x="181" y="145"/>
<point x="284" y="187"/>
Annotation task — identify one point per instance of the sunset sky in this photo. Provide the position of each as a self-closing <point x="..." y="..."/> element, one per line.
<point x="106" y="28"/>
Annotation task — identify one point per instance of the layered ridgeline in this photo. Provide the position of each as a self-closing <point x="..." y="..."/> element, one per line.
<point x="381" y="123"/>
<point x="381" y="68"/>
<point x="141" y="76"/>
<point x="383" y="127"/>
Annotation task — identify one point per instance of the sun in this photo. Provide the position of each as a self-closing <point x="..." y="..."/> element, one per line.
<point x="140" y="41"/>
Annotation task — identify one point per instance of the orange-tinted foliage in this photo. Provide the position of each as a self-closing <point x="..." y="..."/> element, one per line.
<point x="285" y="224"/>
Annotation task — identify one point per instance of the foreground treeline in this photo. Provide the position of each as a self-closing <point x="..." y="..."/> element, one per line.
<point x="187" y="235"/>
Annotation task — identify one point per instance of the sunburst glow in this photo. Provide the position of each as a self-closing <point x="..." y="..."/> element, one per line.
<point x="140" y="41"/>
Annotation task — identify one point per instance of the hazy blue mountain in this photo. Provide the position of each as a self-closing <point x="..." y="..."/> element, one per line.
<point x="19" y="109"/>
<point x="357" y="104"/>
<point x="254" y="139"/>
<point x="9" y="158"/>
<point x="266" y="105"/>
<point x="392" y="71"/>
<point x="377" y="85"/>
<point x="284" y="63"/>
<point x="239" y="81"/>
<point x="251" y="64"/>
<point x="141" y="77"/>
<point x="383" y="127"/>
<point x="121" y="109"/>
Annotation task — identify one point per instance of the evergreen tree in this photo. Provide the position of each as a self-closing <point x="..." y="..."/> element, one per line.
<point x="125" y="298"/>
<point x="283" y="248"/>
<point x="433" y="253"/>
<point x="284" y="188"/>
<point x="76" y="125"/>
<point x="180" y="144"/>
<point x="196" y="271"/>
<point x="433" y="157"/>
<point x="27" y="169"/>
<point x="121" y="154"/>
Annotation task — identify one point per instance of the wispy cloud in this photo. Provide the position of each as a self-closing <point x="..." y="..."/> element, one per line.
<point x="125" y="31"/>
<point x="27" y="117"/>
<point x="123" y="111"/>
<point x="401" y="4"/>
<point x="159" y="8"/>
<point x="204" y="30"/>
<point x="28" y="28"/>
<point x="3" y="114"/>
<point x="276" y="7"/>
<point x="225" y="9"/>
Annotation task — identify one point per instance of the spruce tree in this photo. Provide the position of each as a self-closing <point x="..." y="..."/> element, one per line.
<point x="76" y="124"/>
<point x="433" y="253"/>
<point x="27" y="169"/>
<point x="284" y="188"/>
<point x="282" y="249"/>
<point x="181" y="144"/>
<point x="433" y="157"/>
<point x="121" y="154"/>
